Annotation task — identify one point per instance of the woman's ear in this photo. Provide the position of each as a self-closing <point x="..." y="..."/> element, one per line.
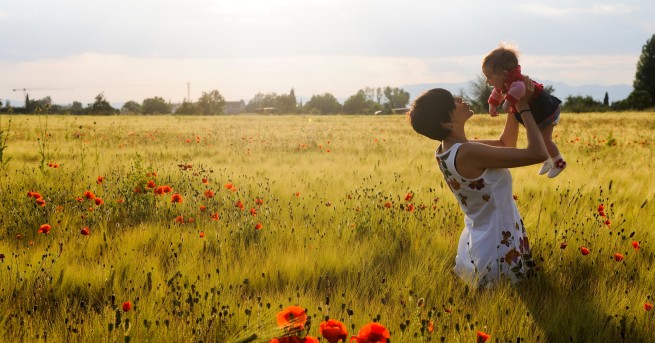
<point x="448" y="125"/>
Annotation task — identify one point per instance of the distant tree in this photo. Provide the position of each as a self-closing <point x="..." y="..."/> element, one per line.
<point x="131" y="107"/>
<point x="101" y="105"/>
<point x="579" y="104"/>
<point x="549" y="89"/>
<point x="645" y="75"/>
<point x="76" y="107"/>
<point x="187" y="108"/>
<point x="261" y="101"/>
<point x="479" y="92"/>
<point x="637" y="100"/>
<point x="156" y="105"/>
<point x="395" y="98"/>
<point x="606" y="100"/>
<point x="323" y="104"/>
<point x="361" y="103"/>
<point x="211" y="103"/>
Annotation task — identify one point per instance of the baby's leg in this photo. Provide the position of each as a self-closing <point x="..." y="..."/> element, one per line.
<point x="555" y="164"/>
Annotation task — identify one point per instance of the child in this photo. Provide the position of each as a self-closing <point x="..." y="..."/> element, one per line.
<point x="503" y="72"/>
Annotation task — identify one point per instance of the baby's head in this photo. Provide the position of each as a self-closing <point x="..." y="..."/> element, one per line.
<point x="430" y="111"/>
<point x="498" y="63"/>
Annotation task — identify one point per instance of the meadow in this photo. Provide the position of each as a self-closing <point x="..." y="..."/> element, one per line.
<point x="204" y="229"/>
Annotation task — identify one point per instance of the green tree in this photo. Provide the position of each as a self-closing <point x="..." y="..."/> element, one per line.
<point x="287" y="103"/>
<point x="101" y="105"/>
<point x="579" y="104"/>
<point x="131" y="107"/>
<point x="76" y="107"/>
<point x="395" y="98"/>
<point x="637" y="100"/>
<point x="478" y="94"/>
<point x="187" y="107"/>
<point x="361" y="103"/>
<point x="645" y="75"/>
<point x="606" y="100"/>
<point x="156" y="105"/>
<point x="323" y="104"/>
<point x="211" y="103"/>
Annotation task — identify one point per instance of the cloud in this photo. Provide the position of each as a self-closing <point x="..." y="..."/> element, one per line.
<point x="597" y="9"/>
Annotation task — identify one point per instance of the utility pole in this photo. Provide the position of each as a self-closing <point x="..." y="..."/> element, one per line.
<point x="188" y="91"/>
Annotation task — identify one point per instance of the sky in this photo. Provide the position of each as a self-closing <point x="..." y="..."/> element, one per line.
<point x="73" y="50"/>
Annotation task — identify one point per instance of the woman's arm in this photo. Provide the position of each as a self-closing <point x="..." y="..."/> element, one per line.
<point x="509" y="136"/>
<point x="475" y="158"/>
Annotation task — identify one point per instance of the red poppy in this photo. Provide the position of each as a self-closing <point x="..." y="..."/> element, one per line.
<point x="151" y="184"/>
<point x="430" y="327"/>
<point x="482" y="337"/>
<point x="516" y="197"/>
<point x="34" y="195"/>
<point x="167" y="189"/>
<point x="85" y="231"/>
<point x="45" y="228"/>
<point x="209" y="193"/>
<point x="40" y="202"/>
<point x="297" y="194"/>
<point x="409" y="196"/>
<point x="228" y="186"/>
<point x="100" y="179"/>
<point x="584" y="250"/>
<point x="203" y="208"/>
<point x="79" y="199"/>
<point x="215" y="216"/>
<point x="563" y="245"/>
<point x="648" y="306"/>
<point x="120" y="201"/>
<point x="239" y="204"/>
<point x="333" y="331"/>
<point x="618" y="257"/>
<point x="259" y="201"/>
<point x="372" y="333"/>
<point x="179" y="219"/>
<point x="410" y="208"/>
<point x="253" y="211"/>
<point x="176" y="198"/>
<point x="388" y="204"/>
<point x="608" y="222"/>
<point x="202" y="234"/>
<point x="159" y="190"/>
<point x="127" y="306"/>
<point x="258" y="226"/>
<point x="89" y="195"/>
<point x="205" y="181"/>
<point x="292" y="318"/>
<point x="99" y="201"/>
<point x="635" y="245"/>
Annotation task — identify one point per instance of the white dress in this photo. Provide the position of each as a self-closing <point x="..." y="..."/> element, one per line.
<point x="493" y="244"/>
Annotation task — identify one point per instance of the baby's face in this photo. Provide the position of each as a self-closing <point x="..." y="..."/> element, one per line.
<point x="494" y="79"/>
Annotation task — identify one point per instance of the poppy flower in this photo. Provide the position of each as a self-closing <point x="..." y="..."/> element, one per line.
<point x="100" y="179"/>
<point x="85" y="231"/>
<point x="179" y="219"/>
<point x="372" y="333"/>
<point x="120" y="201"/>
<point x="410" y="208"/>
<point x="203" y="208"/>
<point x="202" y="234"/>
<point x="409" y="196"/>
<point x="89" y="195"/>
<point x="297" y="194"/>
<point x="516" y="197"/>
<point x="648" y="306"/>
<point x="79" y="199"/>
<point x="333" y="331"/>
<point x="99" y="201"/>
<point x="292" y="318"/>
<point x="239" y="204"/>
<point x="228" y="186"/>
<point x="259" y="201"/>
<point x="127" y="306"/>
<point x="608" y="222"/>
<point x="215" y="216"/>
<point x="584" y="250"/>
<point x="388" y="204"/>
<point x="253" y="211"/>
<point x="618" y="257"/>
<point x="209" y="193"/>
<point x="167" y="189"/>
<point x="430" y="327"/>
<point x="45" y="228"/>
<point x="151" y="184"/>
<point x="563" y="245"/>
<point x="482" y="337"/>
<point x="258" y="226"/>
<point x="40" y="202"/>
<point x="205" y="181"/>
<point x="35" y="195"/>
<point x="176" y="198"/>
<point x="635" y="245"/>
<point x="159" y="190"/>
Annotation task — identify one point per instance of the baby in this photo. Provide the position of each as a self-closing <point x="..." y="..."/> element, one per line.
<point x="503" y="72"/>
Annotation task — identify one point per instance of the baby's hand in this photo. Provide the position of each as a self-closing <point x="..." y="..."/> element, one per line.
<point x="492" y="111"/>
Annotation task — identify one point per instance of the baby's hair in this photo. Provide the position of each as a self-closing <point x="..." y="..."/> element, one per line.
<point x="505" y="57"/>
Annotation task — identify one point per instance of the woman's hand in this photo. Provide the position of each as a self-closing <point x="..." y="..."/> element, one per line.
<point x="529" y="90"/>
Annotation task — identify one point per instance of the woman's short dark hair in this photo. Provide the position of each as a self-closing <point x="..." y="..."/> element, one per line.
<point x="430" y="110"/>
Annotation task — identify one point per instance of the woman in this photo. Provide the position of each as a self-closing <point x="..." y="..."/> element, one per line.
<point x="493" y="244"/>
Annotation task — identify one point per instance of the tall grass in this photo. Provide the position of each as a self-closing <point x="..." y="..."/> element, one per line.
<point x="337" y="236"/>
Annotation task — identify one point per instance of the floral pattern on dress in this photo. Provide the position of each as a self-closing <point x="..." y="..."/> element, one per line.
<point x="519" y="258"/>
<point x="477" y="184"/>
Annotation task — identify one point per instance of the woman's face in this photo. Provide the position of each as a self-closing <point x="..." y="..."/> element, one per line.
<point x="462" y="109"/>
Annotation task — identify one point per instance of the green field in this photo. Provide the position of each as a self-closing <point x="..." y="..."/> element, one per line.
<point x="336" y="234"/>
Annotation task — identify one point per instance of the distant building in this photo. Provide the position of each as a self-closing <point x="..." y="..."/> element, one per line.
<point x="235" y="107"/>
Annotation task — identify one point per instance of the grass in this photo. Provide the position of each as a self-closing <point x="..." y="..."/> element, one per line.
<point x="328" y="241"/>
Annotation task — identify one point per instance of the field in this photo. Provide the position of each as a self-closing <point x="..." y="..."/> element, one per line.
<point x="347" y="217"/>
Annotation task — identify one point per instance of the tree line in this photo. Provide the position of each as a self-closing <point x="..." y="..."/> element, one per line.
<point x="369" y="100"/>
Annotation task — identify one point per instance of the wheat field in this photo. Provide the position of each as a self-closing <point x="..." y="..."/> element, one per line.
<point x="202" y="229"/>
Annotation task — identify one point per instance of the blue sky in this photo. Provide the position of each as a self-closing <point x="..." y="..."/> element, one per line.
<point x="136" y="49"/>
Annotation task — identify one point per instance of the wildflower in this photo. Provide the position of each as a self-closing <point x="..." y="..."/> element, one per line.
<point x="239" y="204"/>
<point x="388" y="204"/>
<point x="608" y="222"/>
<point x="151" y="184"/>
<point x="120" y="201"/>
<point x="635" y="245"/>
<point x="127" y="306"/>
<point x="40" y="202"/>
<point x="563" y="245"/>
<point x="85" y="231"/>
<point x="253" y="211"/>
<point x="19" y="236"/>
<point x="648" y="306"/>
<point x="410" y="208"/>
<point x="584" y="250"/>
<point x="190" y="220"/>
<point x="333" y="331"/>
<point x="89" y="195"/>
<point x="45" y="228"/>
<point x="228" y="186"/>
<point x="205" y="181"/>
<point x="482" y="337"/>
<point x="409" y="196"/>
<point x="430" y="327"/>
<point x="516" y="197"/>
<point x="35" y="195"/>
<point x="79" y="199"/>
<point x="159" y="190"/>
<point x="179" y="219"/>
<point x="209" y="193"/>
<point x="215" y="216"/>
<point x="167" y="189"/>
<point x="203" y="208"/>
<point x="202" y="234"/>
<point x="176" y="198"/>
<point x="99" y="201"/>
<point x="258" y="226"/>
<point x="292" y="318"/>
<point x="372" y="333"/>
<point x="259" y="201"/>
<point x="100" y="179"/>
<point x="618" y="257"/>
<point x="297" y="194"/>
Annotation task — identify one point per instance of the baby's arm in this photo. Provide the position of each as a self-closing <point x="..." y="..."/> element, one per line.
<point x="514" y="94"/>
<point x="494" y="101"/>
